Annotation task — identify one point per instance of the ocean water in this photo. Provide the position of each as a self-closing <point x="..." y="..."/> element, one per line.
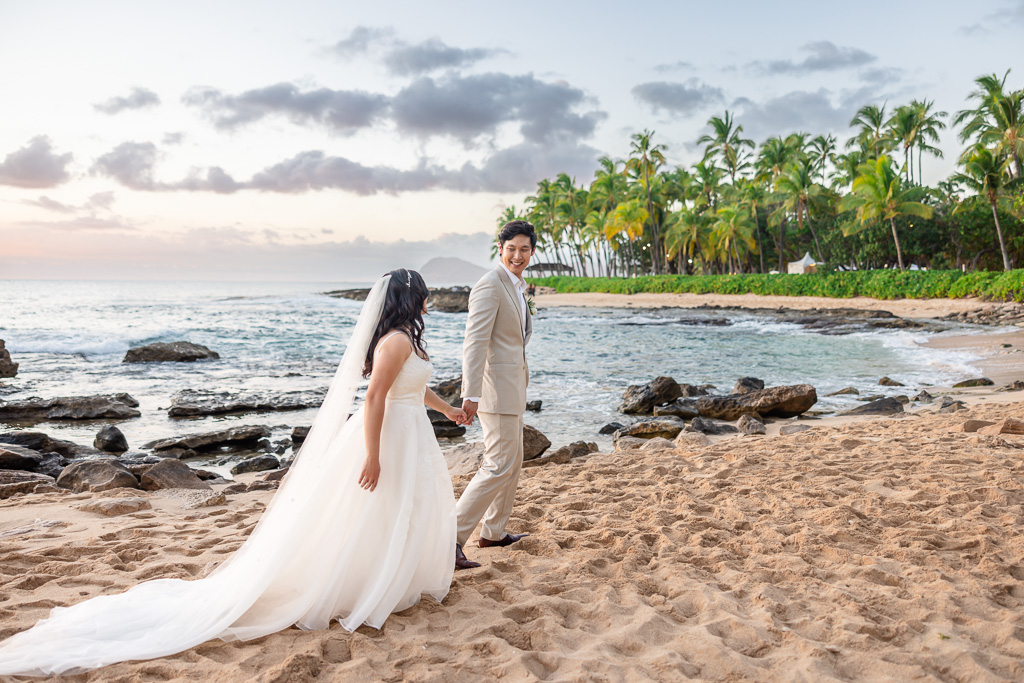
<point x="70" y="339"/>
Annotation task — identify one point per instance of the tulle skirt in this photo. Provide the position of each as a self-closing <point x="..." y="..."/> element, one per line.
<point x="323" y="550"/>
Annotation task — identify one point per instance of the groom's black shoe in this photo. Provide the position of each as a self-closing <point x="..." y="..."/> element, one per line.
<point x="461" y="561"/>
<point x="508" y="540"/>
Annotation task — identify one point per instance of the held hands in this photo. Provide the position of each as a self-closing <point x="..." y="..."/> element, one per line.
<point x="458" y="416"/>
<point x="370" y="474"/>
<point x="469" y="409"/>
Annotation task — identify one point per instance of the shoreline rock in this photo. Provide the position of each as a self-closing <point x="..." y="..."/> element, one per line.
<point x="787" y="401"/>
<point x="196" y="445"/>
<point x="8" y="368"/>
<point x="443" y="299"/>
<point x="100" y="407"/>
<point x="194" y="403"/>
<point x="173" y="352"/>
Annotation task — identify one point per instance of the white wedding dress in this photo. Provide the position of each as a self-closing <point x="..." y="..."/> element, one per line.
<point x="324" y="549"/>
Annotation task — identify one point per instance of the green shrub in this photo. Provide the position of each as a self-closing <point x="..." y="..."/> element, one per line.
<point x="877" y="284"/>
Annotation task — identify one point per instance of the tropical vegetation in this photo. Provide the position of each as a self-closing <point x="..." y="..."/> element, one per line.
<point x="857" y="204"/>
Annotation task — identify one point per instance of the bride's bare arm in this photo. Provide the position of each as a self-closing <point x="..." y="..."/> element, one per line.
<point x="391" y="354"/>
<point x="434" y="401"/>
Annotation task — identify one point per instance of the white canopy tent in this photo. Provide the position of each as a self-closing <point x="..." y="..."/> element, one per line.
<point x="804" y="265"/>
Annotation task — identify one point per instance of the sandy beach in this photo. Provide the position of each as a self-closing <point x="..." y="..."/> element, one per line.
<point x="861" y="549"/>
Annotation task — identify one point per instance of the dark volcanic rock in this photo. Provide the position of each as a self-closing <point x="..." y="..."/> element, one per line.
<point x="886" y="382"/>
<point x="691" y="391"/>
<point x="746" y="385"/>
<point x="1016" y="385"/>
<point x="111" y="440"/>
<point x="258" y="464"/>
<point x="192" y="403"/>
<point x="748" y="424"/>
<point x="248" y="436"/>
<point x="299" y="434"/>
<point x="172" y="474"/>
<point x="533" y="406"/>
<point x="19" y="458"/>
<point x="641" y="398"/>
<point x="848" y="391"/>
<point x="976" y="382"/>
<point x="776" y="402"/>
<point x="534" y="443"/>
<point x="52" y="465"/>
<point x="564" y="454"/>
<point x="448" y="300"/>
<point x="18" y="481"/>
<point x="699" y="424"/>
<point x="665" y="427"/>
<point x="922" y="397"/>
<point x="39" y="441"/>
<point x="951" y="405"/>
<point x="8" y="368"/>
<point x="883" y="406"/>
<point x="684" y="408"/>
<point x="443" y="427"/>
<point x="110" y="406"/>
<point x="96" y="475"/>
<point x="611" y="428"/>
<point x="449" y="391"/>
<point x="178" y="352"/>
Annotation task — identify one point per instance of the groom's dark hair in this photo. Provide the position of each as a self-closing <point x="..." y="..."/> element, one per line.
<point x="518" y="227"/>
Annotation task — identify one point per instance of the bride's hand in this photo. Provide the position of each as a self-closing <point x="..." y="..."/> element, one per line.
<point x="370" y="474"/>
<point x="459" y="416"/>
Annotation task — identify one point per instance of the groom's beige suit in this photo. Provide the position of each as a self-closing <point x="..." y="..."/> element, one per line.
<point x="494" y="370"/>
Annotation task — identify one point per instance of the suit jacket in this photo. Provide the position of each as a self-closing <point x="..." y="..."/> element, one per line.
<point x="494" y="351"/>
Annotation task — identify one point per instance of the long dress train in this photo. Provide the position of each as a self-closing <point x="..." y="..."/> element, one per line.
<point x="324" y="549"/>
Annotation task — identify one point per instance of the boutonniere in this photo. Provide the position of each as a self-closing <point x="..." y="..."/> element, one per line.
<point x="530" y="306"/>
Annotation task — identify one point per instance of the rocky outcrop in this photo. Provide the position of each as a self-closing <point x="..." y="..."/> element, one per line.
<point x="883" y="406"/>
<point x="448" y="300"/>
<point x="750" y="425"/>
<point x="534" y="443"/>
<point x="562" y="455"/>
<point x="640" y="399"/>
<point x="886" y="382"/>
<point x="13" y="482"/>
<point x="1015" y="385"/>
<point x="192" y="403"/>
<point x="683" y="408"/>
<point x="449" y="391"/>
<point x="997" y="314"/>
<point x="922" y="397"/>
<point x="299" y="435"/>
<point x="111" y="440"/>
<point x="788" y="401"/>
<point x="260" y="463"/>
<point x="533" y="406"/>
<point x="110" y="406"/>
<point x="174" y="352"/>
<point x="691" y="440"/>
<point x="8" y="368"/>
<point x="19" y="458"/>
<point x="193" y="445"/>
<point x="1009" y="425"/>
<point x="848" y="391"/>
<point x="171" y="474"/>
<point x="746" y="385"/>
<point x="832" y="321"/>
<point x="115" y="507"/>
<point x="665" y="427"/>
<point x="976" y="382"/>
<point x="443" y="427"/>
<point x="39" y="441"/>
<point x="96" y="475"/>
<point x="705" y="426"/>
<point x="611" y="428"/>
<point x="950" y="405"/>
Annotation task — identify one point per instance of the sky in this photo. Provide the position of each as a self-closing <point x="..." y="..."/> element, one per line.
<point x="333" y="141"/>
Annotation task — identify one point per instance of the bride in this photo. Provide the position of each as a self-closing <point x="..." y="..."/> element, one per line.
<point x="362" y="526"/>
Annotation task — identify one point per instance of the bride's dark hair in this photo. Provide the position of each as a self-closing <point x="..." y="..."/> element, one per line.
<point x="403" y="310"/>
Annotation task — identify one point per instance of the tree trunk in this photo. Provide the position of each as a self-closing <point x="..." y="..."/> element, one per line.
<point x="1002" y="244"/>
<point x="782" y="244"/>
<point x="896" y="238"/>
<point x="810" y="225"/>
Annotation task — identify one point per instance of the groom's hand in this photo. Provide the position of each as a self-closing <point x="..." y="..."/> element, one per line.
<point x="469" y="407"/>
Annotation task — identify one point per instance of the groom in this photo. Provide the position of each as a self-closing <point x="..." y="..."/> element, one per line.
<point x="494" y="379"/>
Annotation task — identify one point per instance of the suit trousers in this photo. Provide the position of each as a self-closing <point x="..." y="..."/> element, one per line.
<point x="490" y="494"/>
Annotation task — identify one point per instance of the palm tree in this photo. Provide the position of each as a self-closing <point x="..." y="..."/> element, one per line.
<point x="753" y="195"/>
<point x="726" y="143"/>
<point x="644" y="161"/>
<point x="878" y="194"/>
<point x="543" y="214"/>
<point x="871" y="121"/>
<point x="797" y="187"/>
<point x="610" y="184"/>
<point x="629" y="218"/>
<point x="776" y="154"/>
<point x="687" y="231"/>
<point x="733" y="227"/>
<point x="707" y="180"/>
<point x="902" y="129"/>
<point x="929" y="124"/>
<point x="823" y="149"/>
<point x="985" y="173"/>
<point x="571" y="209"/>
<point x="997" y="122"/>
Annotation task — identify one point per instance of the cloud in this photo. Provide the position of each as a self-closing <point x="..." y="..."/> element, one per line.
<point x="173" y="138"/>
<point x="814" y="112"/>
<point x="35" y="165"/>
<point x="414" y="60"/>
<point x="45" y="202"/>
<point x="82" y="223"/>
<point x="880" y="75"/>
<point x="674" y="66"/>
<point x="466" y="107"/>
<point x="823" y="56"/>
<point x="138" y="98"/>
<point x="130" y="163"/>
<point x="518" y="168"/>
<point x="343" y="111"/>
<point x="683" y="99"/>
<point x="360" y="40"/>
